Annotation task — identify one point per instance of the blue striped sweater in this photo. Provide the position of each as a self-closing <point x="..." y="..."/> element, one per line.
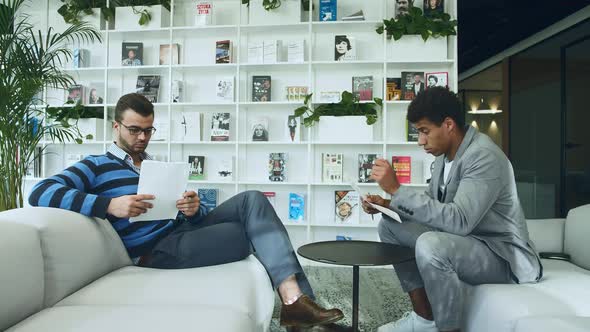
<point x="88" y="186"/>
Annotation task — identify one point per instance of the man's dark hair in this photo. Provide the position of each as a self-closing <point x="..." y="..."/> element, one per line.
<point x="134" y="102"/>
<point x="434" y="105"/>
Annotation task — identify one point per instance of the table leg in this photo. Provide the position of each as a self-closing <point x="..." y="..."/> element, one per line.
<point x="355" y="298"/>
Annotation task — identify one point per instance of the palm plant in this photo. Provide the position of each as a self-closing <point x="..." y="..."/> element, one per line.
<point x="30" y="60"/>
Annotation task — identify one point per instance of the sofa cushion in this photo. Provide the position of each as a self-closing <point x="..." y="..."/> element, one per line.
<point x="242" y="286"/>
<point x="553" y="324"/>
<point x="496" y="308"/>
<point x="135" y="318"/>
<point x="547" y="234"/>
<point x="577" y="229"/>
<point x="21" y="279"/>
<point x="76" y="249"/>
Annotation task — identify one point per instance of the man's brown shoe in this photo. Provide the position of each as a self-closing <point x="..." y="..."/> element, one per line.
<point x="304" y="312"/>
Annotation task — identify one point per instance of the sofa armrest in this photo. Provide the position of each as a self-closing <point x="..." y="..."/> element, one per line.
<point x="547" y="234"/>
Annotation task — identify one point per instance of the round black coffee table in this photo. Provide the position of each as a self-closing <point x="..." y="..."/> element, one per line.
<point x="356" y="253"/>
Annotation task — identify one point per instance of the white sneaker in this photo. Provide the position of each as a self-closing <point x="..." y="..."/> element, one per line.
<point x="410" y="322"/>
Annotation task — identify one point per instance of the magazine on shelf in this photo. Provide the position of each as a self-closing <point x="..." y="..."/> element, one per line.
<point x="296" y="93"/>
<point x="365" y="163"/>
<point x="296" y="207"/>
<point x="197" y="167"/>
<point x="346" y="207"/>
<point x="332" y="167"/>
<point x="293" y="128"/>
<point x="148" y="86"/>
<point x="393" y="85"/>
<point x="362" y="87"/>
<point x="328" y="10"/>
<point x="272" y="51"/>
<point x="412" y="132"/>
<point x="220" y="126"/>
<point x="208" y="198"/>
<point x="223" y="51"/>
<point x="261" y="88"/>
<point x="259" y="129"/>
<point x="256" y="52"/>
<point x="277" y="167"/>
<point x="167" y="51"/>
<point x="131" y="54"/>
<point x="412" y="84"/>
<point x="296" y="51"/>
<point x="344" y="48"/>
<point x="224" y="89"/>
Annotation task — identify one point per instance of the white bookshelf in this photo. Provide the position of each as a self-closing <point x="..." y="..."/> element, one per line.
<point x="198" y="71"/>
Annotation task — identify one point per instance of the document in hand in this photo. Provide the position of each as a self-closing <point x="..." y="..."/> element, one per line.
<point x="390" y="213"/>
<point x="166" y="181"/>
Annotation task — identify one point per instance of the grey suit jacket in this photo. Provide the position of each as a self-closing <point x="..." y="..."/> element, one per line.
<point x="480" y="201"/>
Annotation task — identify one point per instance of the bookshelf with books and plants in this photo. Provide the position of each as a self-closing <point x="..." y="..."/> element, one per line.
<point x="228" y="78"/>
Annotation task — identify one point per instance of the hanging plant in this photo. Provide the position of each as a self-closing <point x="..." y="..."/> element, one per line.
<point x="73" y="11"/>
<point x="348" y="105"/>
<point x="415" y="22"/>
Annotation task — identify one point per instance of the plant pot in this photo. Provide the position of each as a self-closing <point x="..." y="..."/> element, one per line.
<point x="351" y="129"/>
<point x="127" y="19"/>
<point x="90" y="126"/>
<point x="414" y="48"/>
<point x="97" y="20"/>
<point x="289" y="12"/>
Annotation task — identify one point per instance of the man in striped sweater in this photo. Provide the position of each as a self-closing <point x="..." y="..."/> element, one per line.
<point x="105" y="186"/>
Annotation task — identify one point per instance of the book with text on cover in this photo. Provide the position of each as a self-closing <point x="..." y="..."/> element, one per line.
<point x="366" y="162"/>
<point x="223" y="51"/>
<point x="403" y="168"/>
<point x="362" y="87"/>
<point x="412" y="84"/>
<point x="277" y="167"/>
<point x="131" y="54"/>
<point x="332" y="167"/>
<point x="261" y="88"/>
<point x="259" y="129"/>
<point x="197" y="167"/>
<point x="394" y="91"/>
<point x="220" y="126"/>
<point x="296" y="207"/>
<point x="148" y="86"/>
<point x="208" y="198"/>
<point x="347" y="207"/>
<point x="203" y="13"/>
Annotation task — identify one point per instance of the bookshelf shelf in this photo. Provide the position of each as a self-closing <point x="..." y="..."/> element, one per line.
<point x="377" y="57"/>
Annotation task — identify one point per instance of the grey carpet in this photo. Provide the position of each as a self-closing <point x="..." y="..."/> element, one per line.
<point x="381" y="297"/>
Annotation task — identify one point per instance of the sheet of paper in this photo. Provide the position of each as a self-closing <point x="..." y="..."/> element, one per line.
<point x="166" y="181"/>
<point x="390" y="213"/>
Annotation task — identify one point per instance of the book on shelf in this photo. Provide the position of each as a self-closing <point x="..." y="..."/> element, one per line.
<point x="131" y="54"/>
<point x="328" y="10"/>
<point x="95" y="93"/>
<point x="393" y="86"/>
<point x="402" y="165"/>
<point x="271" y="51"/>
<point x="277" y="167"/>
<point x="296" y="93"/>
<point x="332" y="167"/>
<point x="296" y="51"/>
<point x="224" y="169"/>
<point x="76" y="94"/>
<point x="366" y="162"/>
<point x="177" y="90"/>
<point x="412" y="132"/>
<point x="344" y="48"/>
<point x="220" y="126"/>
<point x="161" y="133"/>
<point x="330" y="96"/>
<point x="347" y="207"/>
<point x="412" y="84"/>
<point x="404" y="7"/>
<point x="224" y="89"/>
<point x="256" y="52"/>
<point x="148" y="86"/>
<point x="296" y="207"/>
<point x="261" y="88"/>
<point x="197" y="167"/>
<point x="440" y="78"/>
<point x="259" y="129"/>
<point x="72" y="158"/>
<point x="191" y="127"/>
<point x="293" y="128"/>
<point x="81" y="58"/>
<point x="431" y="7"/>
<point x="203" y="13"/>
<point x="208" y="197"/>
<point x="356" y="16"/>
<point x="362" y="87"/>
<point x="223" y="51"/>
<point x="271" y="196"/>
<point x="169" y="52"/>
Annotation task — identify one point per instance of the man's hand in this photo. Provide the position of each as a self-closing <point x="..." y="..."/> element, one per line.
<point x="189" y="204"/>
<point x="129" y="205"/>
<point x="384" y="174"/>
<point x="375" y="199"/>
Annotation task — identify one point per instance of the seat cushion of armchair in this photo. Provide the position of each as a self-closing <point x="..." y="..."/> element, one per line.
<point x="493" y="307"/>
<point x="135" y="318"/>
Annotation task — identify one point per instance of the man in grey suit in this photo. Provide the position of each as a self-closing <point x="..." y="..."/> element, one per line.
<point x="467" y="227"/>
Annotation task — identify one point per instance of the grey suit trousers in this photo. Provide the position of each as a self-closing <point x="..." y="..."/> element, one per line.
<point x="243" y="224"/>
<point x="444" y="263"/>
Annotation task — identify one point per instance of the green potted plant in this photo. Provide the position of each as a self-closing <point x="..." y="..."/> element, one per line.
<point x="74" y="11"/>
<point x="349" y="119"/>
<point x="30" y="61"/>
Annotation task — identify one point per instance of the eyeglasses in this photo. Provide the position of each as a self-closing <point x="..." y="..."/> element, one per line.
<point x="135" y="131"/>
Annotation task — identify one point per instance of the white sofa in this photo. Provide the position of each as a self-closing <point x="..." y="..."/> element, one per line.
<point x="61" y="271"/>
<point x="559" y="302"/>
